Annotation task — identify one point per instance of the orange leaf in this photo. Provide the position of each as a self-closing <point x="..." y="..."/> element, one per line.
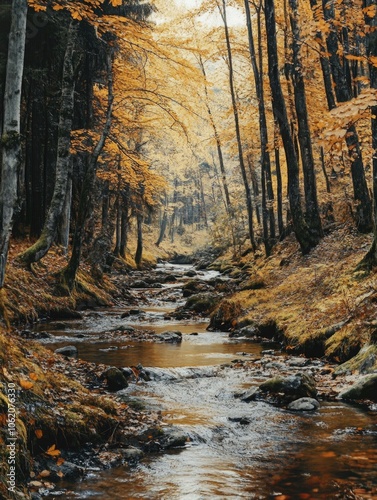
<point x="38" y="433"/>
<point x="33" y="376"/>
<point x="60" y="461"/>
<point x="26" y="384"/>
<point x="60" y="474"/>
<point x="52" y="451"/>
<point x="44" y="473"/>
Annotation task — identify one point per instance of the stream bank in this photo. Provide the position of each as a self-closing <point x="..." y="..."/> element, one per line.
<point x="205" y="385"/>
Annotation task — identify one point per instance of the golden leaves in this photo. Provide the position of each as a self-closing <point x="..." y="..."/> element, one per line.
<point x="38" y="433"/>
<point x="52" y="451"/>
<point x="26" y="384"/>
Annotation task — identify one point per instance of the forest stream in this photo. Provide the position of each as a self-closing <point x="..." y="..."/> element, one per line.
<point x="235" y="449"/>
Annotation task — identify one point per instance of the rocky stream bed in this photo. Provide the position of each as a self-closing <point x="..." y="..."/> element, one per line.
<point x="230" y="415"/>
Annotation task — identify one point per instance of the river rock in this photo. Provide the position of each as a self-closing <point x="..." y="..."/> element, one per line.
<point x="250" y="395"/>
<point x="115" y="379"/>
<point x="69" y="351"/>
<point x="291" y="387"/>
<point x="191" y="273"/>
<point x="124" y="328"/>
<point x="139" y="284"/>
<point x="365" y="388"/>
<point x="132" y="455"/>
<point x="193" y="287"/>
<point x="202" y="302"/>
<point x="304" y="404"/>
<point x="169" y="336"/>
<point x="174" y="438"/>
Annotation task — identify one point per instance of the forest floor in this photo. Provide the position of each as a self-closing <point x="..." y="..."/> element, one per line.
<point x="317" y="304"/>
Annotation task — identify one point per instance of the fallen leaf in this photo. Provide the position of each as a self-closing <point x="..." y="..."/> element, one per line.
<point x="44" y="473"/>
<point x="52" y="451"/>
<point x="38" y="433"/>
<point x="33" y="376"/>
<point x="26" y="384"/>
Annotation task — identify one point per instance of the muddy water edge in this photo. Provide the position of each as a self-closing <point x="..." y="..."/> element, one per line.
<point x="233" y="449"/>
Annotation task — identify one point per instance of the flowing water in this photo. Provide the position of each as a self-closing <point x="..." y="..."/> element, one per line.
<point x="236" y="449"/>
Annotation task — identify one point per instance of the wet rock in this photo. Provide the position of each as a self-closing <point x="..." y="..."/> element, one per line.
<point x="191" y="273"/>
<point x="297" y="361"/>
<point x="58" y="325"/>
<point x="125" y="315"/>
<point x="174" y="438"/>
<point x="135" y="312"/>
<point x="291" y="387"/>
<point x="240" y="420"/>
<point x="365" y="388"/>
<point x="202" y="302"/>
<point x="139" y="284"/>
<point x="132" y="455"/>
<point x="250" y="395"/>
<point x="70" y="471"/>
<point x="69" y="351"/>
<point x="115" y="379"/>
<point x="194" y="334"/>
<point x="124" y="328"/>
<point x="246" y="331"/>
<point x="193" y="287"/>
<point x="364" y="362"/>
<point x="304" y="404"/>
<point x="169" y="336"/>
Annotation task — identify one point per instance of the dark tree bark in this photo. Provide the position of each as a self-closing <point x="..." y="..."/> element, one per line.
<point x="11" y="139"/>
<point x="63" y="163"/>
<point x="299" y="224"/>
<point x="139" y="248"/>
<point x="164" y="223"/>
<point x="268" y="216"/>
<point x="69" y="273"/>
<point x="370" y="259"/>
<point x="311" y="202"/>
<point x="249" y="204"/>
<point x="341" y="74"/>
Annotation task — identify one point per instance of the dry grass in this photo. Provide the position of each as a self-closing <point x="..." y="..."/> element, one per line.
<point x="306" y="295"/>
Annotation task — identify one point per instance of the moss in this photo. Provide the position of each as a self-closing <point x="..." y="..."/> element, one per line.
<point x="226" y="316"/>
<point x="364" y="362"/>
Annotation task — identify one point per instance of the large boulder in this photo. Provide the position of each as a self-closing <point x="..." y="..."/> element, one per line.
<point x="304" y="404"/>
<point x="115" y="379"/>
<point x="69" y="351"/>
<point x="170" y="337"/>
<point x="365" y="388"/>
<point x="202" y="303"/>
<point x="290" y="388"/>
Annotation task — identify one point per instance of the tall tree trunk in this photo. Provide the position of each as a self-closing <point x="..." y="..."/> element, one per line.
<point x="370" y="259"/>
<point x="311" y="202"/>
<point x="267" y="188"/>
<point x="64" y="226"/>
<point x="249" y="204"/>
<point x="69" y="273"/>
<point x="139" y="247"/>
<point x="63" y="163"/>
<point x="164" y="223"/>
<point x="11" y="140"/>
<point x="299" y="224"/>
<point x="343" y="90"/>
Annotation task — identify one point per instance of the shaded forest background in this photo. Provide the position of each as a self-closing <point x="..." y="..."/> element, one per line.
<point x="237" y="123"/>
